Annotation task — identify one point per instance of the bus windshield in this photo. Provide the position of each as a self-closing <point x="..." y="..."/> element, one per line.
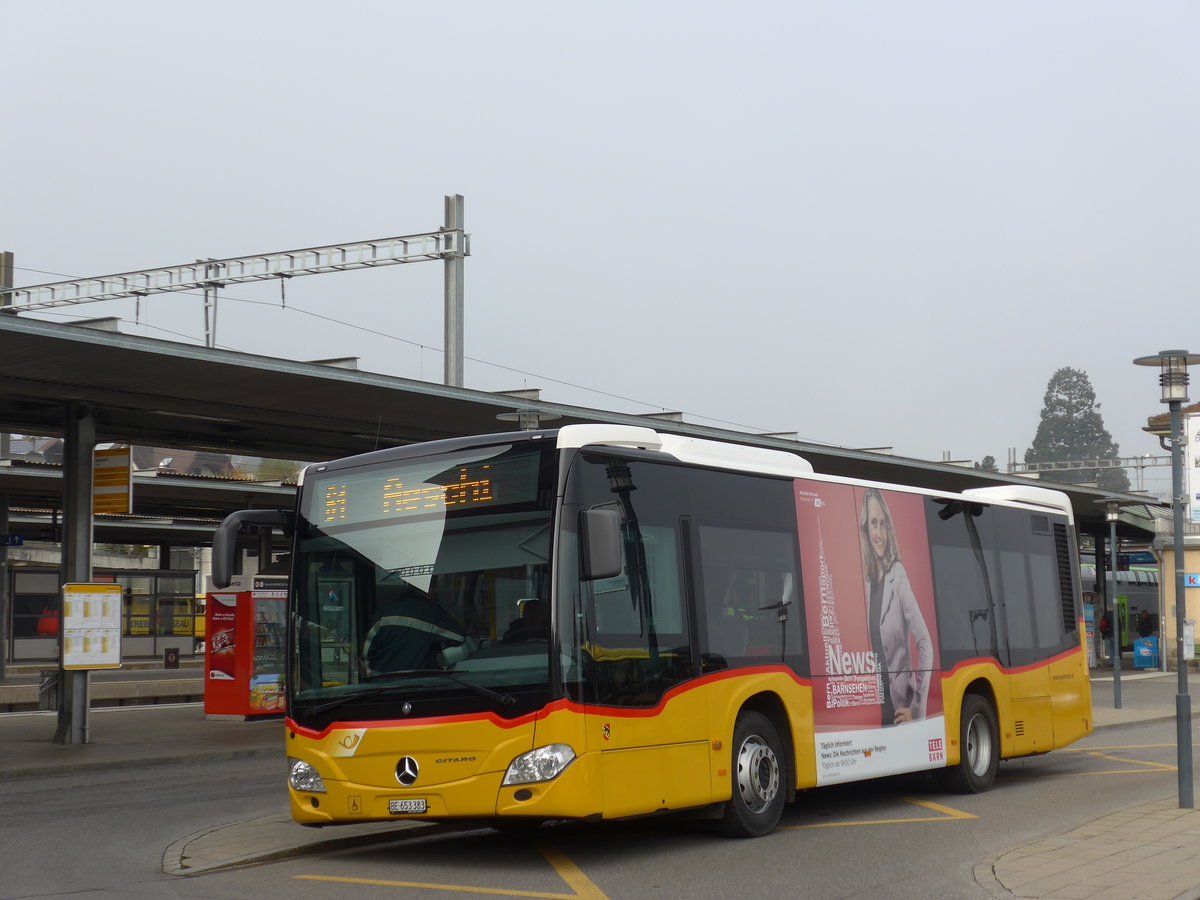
<point x="421" y="585"/>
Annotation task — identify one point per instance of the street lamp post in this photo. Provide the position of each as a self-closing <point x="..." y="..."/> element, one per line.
<point x="1174" y="380"/>
<point x="1112" y="513"/>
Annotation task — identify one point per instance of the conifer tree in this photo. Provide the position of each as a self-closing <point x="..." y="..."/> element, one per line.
<point x="1072" y="429"/>
<point x="988" y="464"/>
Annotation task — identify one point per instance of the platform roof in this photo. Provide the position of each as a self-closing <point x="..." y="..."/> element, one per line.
<point x="170" y="394"/>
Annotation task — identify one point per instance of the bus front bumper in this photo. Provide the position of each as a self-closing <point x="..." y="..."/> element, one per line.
<point x="575" y="793"/>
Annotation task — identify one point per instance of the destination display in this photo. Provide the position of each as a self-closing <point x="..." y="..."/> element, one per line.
<point x="409" y="488"/>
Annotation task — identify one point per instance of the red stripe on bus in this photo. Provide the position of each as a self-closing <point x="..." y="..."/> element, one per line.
<point x="555" y="706"/>
<point x="1011" y="670"/>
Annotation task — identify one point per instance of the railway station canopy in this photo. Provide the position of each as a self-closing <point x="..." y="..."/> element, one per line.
<point x="160" y="393"/>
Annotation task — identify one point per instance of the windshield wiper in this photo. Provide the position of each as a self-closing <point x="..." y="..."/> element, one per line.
<point x="347" y="698"/>
<point x="497" y="698"/>
<point x="494" y="696"/>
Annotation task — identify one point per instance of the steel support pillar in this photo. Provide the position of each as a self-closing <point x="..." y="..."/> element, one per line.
<point x="80" y="441"/>
<point x="454" y="293"/>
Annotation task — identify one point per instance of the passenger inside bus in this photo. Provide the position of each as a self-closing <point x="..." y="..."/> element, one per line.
<point x="530" y="625"/>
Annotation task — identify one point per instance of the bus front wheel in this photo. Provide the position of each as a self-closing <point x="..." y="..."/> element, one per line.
<point x="979" y="749"/>
<point x="758" y="778"/>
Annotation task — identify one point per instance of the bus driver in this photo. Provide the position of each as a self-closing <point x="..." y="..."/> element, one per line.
<point x="409" y="633"/>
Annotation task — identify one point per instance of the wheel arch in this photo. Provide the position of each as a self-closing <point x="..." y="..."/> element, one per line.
<point x="980" y="686"/>
<point x="771" y="705"/>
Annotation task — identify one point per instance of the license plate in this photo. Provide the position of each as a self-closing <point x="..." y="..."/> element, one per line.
<point x="413" y="805"/>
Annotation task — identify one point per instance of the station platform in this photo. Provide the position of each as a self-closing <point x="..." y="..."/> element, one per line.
<point x="136" y="683"/>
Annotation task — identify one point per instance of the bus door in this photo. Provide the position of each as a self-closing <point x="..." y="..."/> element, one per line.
<point x="649" y="728"/>
<point x="1033" y="624"/>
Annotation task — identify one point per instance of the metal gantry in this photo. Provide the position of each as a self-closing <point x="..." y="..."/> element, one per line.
<point x="1138" y="463"/>
<point x="451" y="244"/>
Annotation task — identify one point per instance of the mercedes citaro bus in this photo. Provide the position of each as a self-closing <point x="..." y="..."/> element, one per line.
<point x="601" y="621"/>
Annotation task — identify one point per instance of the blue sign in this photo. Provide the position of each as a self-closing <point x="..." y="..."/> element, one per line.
<point x="14" y="540"/>
<point x="1191" y="580"/>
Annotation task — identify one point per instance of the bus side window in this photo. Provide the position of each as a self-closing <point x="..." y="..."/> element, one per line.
<point x="967" y="579"/>
<point x="750" y="603"/>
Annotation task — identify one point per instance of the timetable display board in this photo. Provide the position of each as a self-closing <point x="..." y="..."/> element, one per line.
<point x="91" y="626"/>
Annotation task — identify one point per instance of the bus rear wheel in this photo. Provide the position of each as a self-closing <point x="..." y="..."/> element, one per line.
<point x="759" y="771"/>
<point x="979" y="749"/>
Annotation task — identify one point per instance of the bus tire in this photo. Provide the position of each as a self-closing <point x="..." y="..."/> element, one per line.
<point x="979" y="749"/>
<point x="759" y="770"/>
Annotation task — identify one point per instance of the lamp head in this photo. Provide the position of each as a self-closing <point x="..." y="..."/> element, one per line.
<point x="1173" y="377"/>
<point x="1112" y="509"/>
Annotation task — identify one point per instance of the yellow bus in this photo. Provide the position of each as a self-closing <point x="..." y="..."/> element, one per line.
<point x="602" y="621"/>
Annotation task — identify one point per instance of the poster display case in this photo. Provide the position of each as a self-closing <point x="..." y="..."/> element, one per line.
<point x="244" y="660"/>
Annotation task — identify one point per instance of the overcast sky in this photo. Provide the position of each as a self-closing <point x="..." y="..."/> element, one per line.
<point x="871" y="223"/>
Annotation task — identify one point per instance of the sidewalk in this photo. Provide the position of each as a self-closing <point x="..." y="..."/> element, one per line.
<point x="1160" y="844"/>
<point x="131" y="737"/>
<point x="1150" y="851"/>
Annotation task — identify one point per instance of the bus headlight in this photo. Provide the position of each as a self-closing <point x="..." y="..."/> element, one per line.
<point x="303" y="777"/>
<point x="542" y="764"/>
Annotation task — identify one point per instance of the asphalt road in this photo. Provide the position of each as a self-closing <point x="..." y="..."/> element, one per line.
<point x="104" y="835"/>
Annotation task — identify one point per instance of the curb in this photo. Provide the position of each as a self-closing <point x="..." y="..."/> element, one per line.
<point x="1156" y="719"/>
<point x="175" y="859"/>
<point x="1137" y="723"/>
<point x="74" y="767"/>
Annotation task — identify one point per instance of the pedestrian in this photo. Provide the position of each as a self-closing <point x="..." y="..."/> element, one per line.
<point x="1106" y="633"/>
<point x="1145" y="624"/>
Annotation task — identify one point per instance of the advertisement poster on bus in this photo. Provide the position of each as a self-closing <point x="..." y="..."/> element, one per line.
<point x="868" y="588"/>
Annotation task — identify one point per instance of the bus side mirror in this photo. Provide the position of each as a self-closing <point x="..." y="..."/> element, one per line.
<point x="224" y="545"/>
<point x="600" y="534"/>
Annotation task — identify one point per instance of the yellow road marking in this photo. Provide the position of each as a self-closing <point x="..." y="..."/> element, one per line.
<point x="1166" y="767"/>
<point x="464" y="888"/>
<point x="582" y="887"/>
<point x="948" y="814"/>
<point x="1144" y="767"/>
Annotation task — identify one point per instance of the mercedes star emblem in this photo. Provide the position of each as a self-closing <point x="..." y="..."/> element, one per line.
<point x="407" y="771"/>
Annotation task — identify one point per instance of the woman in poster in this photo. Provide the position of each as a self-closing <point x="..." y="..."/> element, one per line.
<point x="893" y="617"/>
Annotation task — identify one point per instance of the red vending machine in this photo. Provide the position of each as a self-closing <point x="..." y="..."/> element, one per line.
<point x="244" y="660"/>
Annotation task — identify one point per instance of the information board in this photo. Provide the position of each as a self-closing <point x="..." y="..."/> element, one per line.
<point x="112" y="481"/>
<point x="91" y="626"/>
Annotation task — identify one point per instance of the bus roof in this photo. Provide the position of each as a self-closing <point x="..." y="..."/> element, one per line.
<point x="743" y="458"/>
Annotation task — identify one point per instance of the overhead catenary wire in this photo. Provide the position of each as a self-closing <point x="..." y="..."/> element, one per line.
<point x="283" y="306"/>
